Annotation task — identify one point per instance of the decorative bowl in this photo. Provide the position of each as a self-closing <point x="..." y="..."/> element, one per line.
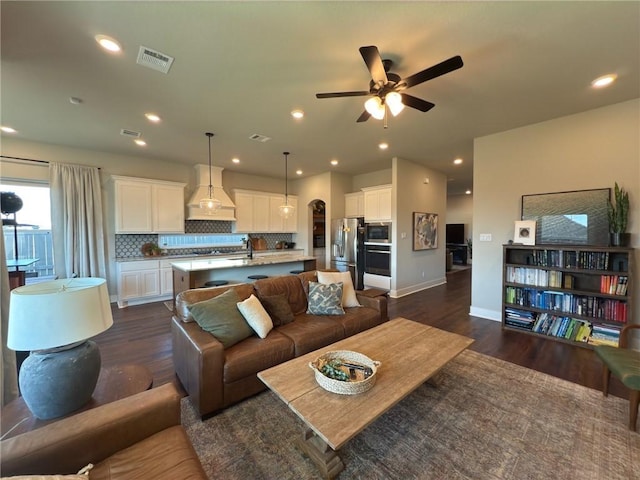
<point x="352" y="372"/>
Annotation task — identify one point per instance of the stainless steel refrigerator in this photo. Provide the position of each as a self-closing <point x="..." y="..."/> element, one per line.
<point x="347" y="248"/>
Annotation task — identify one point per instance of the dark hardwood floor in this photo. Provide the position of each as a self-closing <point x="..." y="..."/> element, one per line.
<point x="141" y="334"/>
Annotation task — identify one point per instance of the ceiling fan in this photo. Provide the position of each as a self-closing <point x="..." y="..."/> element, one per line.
<point x="386" y="88"/>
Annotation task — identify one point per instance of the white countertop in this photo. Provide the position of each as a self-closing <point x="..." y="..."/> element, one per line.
<point x="218" y="263"/>
<point x="207" y="256"/>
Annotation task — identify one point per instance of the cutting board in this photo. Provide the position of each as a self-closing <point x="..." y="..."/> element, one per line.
<point x="259" y="243"/>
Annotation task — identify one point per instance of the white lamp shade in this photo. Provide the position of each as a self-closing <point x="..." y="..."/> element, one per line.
<point x="394" y="102"/>
<point x="57" y="313"/>
<point x="375" y="107"/>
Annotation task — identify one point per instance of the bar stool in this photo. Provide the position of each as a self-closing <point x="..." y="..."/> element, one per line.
<point x="216" y="283"/>
<point x="257" y="277"/>
<point x="296" y="272"/>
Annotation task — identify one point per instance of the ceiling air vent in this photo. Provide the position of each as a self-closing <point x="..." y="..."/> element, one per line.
<point x="130" y="133"/>
<point x="147" y="57"/>
<point x="259" y="138"/>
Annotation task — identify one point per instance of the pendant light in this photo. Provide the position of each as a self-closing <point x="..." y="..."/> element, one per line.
<point x="210" y="204"/>
<point x="286" y="210"/>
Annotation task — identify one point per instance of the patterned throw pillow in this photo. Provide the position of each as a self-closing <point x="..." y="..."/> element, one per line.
<point x="325" y="299"/>
<point x="349" y="298"/>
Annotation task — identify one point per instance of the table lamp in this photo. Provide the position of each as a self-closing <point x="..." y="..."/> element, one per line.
<point x="54" y="320"/>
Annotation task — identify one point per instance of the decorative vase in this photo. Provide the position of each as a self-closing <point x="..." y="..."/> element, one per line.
<point x="619" y="239"/>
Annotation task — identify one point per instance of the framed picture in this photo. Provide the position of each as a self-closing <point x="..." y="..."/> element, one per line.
<point x="573" y="218"/>
<point x="425" y="231"/>
<point x="525" y="232"/>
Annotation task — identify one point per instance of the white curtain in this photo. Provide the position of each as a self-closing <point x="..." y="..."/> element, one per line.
<point x="76" y="221"/>
<point x="8" y="372"/>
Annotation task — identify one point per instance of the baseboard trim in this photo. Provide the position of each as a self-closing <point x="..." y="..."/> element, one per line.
<point x="485" y="313"/>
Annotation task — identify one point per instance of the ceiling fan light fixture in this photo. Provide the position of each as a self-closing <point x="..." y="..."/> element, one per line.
<point x="210" y="205"/>
<point x="394" y="102"/>
<point x="375" y="107"/>
<point x="286" y="210"/>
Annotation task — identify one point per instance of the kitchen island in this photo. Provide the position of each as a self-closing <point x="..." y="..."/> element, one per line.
<point x="195" y="273"/>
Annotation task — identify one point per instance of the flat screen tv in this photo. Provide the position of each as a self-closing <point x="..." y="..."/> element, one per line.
<point x="455" y="233"/>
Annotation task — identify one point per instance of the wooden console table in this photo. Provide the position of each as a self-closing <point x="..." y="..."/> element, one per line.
<point x="113" y="384"/>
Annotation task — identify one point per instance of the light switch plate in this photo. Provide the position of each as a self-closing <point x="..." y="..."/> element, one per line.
<point x="485" y="237"/>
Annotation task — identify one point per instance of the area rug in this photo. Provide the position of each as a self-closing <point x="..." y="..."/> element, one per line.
<point x="486" y="419"/>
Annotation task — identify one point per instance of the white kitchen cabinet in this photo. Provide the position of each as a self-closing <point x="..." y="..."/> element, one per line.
<point x="148" y="206"/>
<point x="377" y="203"/>
<point x="354" y="204"/>
<point x="138" y="280"/>
<point x="259" y="212"/>
<point x="166" y="278"/>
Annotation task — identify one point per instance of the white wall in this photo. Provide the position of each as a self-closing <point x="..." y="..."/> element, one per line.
<point x="416" y="270"/>
<point x="589" y="150"/>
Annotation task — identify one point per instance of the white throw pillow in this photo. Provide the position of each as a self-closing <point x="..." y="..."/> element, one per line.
<point x="256" y="316"/>
<point x="349" y="298"/>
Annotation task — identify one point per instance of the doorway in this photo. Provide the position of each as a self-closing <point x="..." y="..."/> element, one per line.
<point x="318" y="233"/>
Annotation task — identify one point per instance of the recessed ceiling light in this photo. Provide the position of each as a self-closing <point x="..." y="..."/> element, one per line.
<point x="152" y="117"/>
<point x="383" y="146"/>
<point x="75" y="100"/>
<point x="604" y="81"/>
<point x="140" y="142"/>
<point x="8" y="130"/>
<point x="457" y="161"/>
<point x="468" y="192"/>
<point x="235" y="160"/>
<point x="298" y="172"/>
<point x="108" y="43"/>
<point x="334" y="162"/>
<point x="297" y="114"/>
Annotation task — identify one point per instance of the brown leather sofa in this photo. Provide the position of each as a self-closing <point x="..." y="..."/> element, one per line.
<point x="216" y="378"/>
<point x="138" y="437"/>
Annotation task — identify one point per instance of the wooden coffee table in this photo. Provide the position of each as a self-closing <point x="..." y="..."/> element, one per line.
<point x="410" y="353"/>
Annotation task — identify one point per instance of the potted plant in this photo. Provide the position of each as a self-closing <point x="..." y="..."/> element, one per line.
<point x="618" y="214"/>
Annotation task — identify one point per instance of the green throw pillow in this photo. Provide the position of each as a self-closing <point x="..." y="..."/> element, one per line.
<point x="325" y="299"/>
<point x="278" y="308"/>
<point x="221" y="318"/>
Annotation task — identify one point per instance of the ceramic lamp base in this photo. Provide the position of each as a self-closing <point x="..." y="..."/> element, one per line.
<point x="54" y="384"/>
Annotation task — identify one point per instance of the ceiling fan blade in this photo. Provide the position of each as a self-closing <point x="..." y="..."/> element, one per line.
<point x="372" y="58"/>
<point x="432" y="72"/>
<point x="364" y="117"/>
<point x="417" y="103"/>
<point x="361" y="93"/>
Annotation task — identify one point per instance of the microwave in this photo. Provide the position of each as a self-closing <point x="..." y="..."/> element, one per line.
<point x="379" y="232"/>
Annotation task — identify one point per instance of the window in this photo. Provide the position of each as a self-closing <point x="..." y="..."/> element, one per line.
<point x="31" y="237"/>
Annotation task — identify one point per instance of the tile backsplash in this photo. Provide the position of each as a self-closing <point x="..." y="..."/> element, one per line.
<point x="129" y="245"/>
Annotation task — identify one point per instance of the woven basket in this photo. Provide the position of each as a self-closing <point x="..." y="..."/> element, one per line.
<point x="344" y="387"/>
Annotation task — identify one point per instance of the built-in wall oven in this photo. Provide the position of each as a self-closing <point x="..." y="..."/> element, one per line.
<point x="377" y="258"/>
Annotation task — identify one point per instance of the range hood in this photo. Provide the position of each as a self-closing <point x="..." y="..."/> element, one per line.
<point x="228" y="210"/>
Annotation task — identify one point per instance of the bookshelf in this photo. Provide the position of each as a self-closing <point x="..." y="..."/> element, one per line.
<point x="581" y="295"/>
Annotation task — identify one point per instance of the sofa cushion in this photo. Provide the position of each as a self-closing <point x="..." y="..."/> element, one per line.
<point x="311" y="332"/>
<point x="278" y="308"/>
<point x="221" y="318"/>
<point x="289" y="285"/>
<point x="256" y="316"/>
<point x="325" y="299"/>
<point x="254" y="355"/>
<point x="166" y="455"/>
<point x="349" y="298"/>
<point x="358" y="319"/>
<point x="195" y="295"/>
